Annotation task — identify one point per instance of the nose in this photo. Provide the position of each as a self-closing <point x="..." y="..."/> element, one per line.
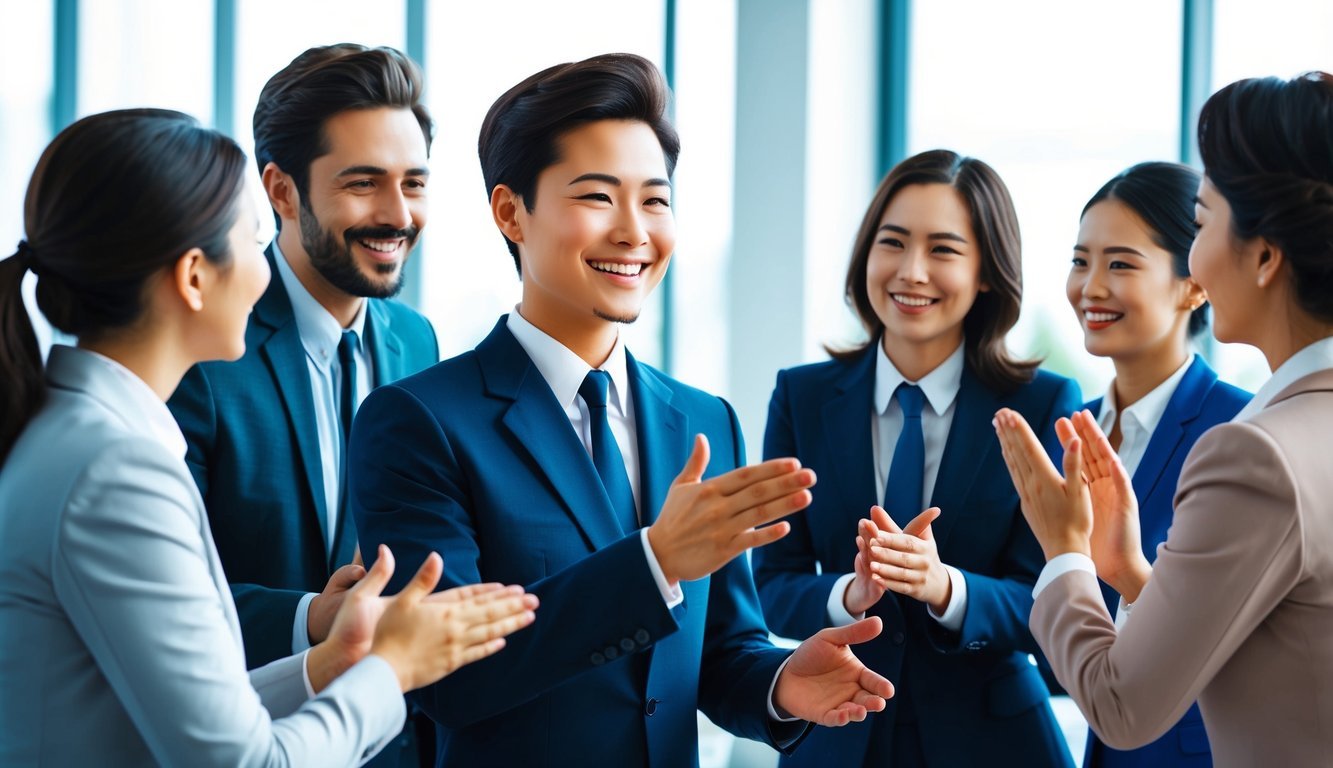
<point x="392" y="209"/>
<point x="629" y="230"/>
<point x="1095" y="285"/>
<point x="912" y="267"/>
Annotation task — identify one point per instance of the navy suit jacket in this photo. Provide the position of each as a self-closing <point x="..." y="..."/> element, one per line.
<point x="978" y="699"/>
<point x="474" y="459"/>
<point x="254" y="452"/>
<point x="1199" y="403"/>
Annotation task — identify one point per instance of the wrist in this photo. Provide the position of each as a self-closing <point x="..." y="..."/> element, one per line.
<point x="1066" y="545"/>
<point x="943" y="593"/>
<point x="1130" y="582"/>
<point x="654" y="543"/>
<point x="324" y="663"/>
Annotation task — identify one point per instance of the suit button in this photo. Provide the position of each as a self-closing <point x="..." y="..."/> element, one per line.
<point x="650" y="708"/>
<point x="597" y="659"/>
<point x="976" y="645"/>
<point x="898" y="638"/>
<point x="642" y="637"/>
<point x="627" y="645"/>
<point x="611" y="652"/>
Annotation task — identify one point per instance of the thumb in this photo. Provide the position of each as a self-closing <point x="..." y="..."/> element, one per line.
<point x="1074" y="468"/>
<point x="428" y="575"/>
<point x="347" y="576"/>
<point x="378" y="577"/>
<point x="1064" y="429"/>
<point x="882" y="520"/>
<point x="856" y="632"/>
<point x="693" y="470"/>
<point x="920" y="525"/>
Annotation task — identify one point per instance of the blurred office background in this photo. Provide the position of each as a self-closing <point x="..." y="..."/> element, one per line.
<point x="790" y="111"/>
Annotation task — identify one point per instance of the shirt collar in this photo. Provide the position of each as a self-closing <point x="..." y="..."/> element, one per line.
<point x="129" y="395"/>
<point x="1316" y="357"/>
<point x="565" y="371"/>
<point x="940" y="386"/>
<point x="319" y="331"/>
<point x="1147" y="411"/>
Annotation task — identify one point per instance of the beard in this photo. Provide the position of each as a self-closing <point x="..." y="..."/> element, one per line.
<point x="622" y="319"/>
<point x="333" y="259"/>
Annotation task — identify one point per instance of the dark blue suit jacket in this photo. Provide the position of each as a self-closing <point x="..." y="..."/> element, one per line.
<point x="474" y="459"/>
<point x="978" y="699"/>
<point x="254" y="452"/>
<point x="1199" y="403"/>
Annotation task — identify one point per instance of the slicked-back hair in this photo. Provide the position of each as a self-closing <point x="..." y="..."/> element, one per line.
<point x="1162" y="196"/>
<point x="994" y="225"/>
<point x="519" y="137"/>
<point x="320" y="83"/>
<point x="1267" y="146"/>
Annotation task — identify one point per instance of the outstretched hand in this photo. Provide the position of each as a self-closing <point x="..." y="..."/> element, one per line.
<point x="1058" y="509"/>
<point x="826" y="684"/>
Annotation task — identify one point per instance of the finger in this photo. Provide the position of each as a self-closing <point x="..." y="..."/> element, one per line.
<point x="1074" y="486"/>
<point x="356" y="556"/>
<point x="851" y="634"/>
<point x="478" y="652"/>
<point x="1066" y="432"/>
<point x="377" y="578"/>
<point x="855" y="712"/>
<point x="920" y="525"/>
<point x="768" y="490"/>
<point x="1030" y="448"/>
<point x="870" y="701"/>
<point x="835" y="718"/>
<point x="741" y="478"/>
<point x="501" y="627"/>
<point x="345" y="577"/>
<point x="875" y="683"/>
<point x="774" y="509"/>
<point x="492" y="589"/>
<point x="427" y="576"/>
<point x="1098" y="449"/>
<point x="758" y="537"/>
<point x="882" y="520"/>
<point x="693" y="471"/>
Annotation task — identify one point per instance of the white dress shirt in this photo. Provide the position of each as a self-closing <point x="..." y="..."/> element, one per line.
<point x="320" y="335"/>
<point x="940" y="388"/>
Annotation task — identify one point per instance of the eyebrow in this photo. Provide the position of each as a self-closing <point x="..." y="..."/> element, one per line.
<point x="932" y="236"/>
<point x="1115" y="249"/>
<point x="1200" y="203"/>
<point x="607" y="178"/>
<point x="375" y="170"/>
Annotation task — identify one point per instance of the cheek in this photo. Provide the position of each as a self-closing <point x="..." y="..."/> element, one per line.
<point x="1074" y="290"/>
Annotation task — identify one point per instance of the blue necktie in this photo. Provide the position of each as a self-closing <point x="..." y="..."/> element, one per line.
<point x="606" y="455"/>
<point x="902" y="492"/>
<point x="346" y="407"/>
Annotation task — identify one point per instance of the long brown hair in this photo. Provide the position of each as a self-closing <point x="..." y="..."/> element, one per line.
<point x="995" y="225"/>
<point x="115" y="198"/>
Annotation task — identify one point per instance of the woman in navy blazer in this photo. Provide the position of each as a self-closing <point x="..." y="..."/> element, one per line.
<point x="1130" y="286"/>
<point x="935" y="280"/>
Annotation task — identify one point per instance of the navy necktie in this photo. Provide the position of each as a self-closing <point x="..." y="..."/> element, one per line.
<point x="902" y="492"/>
<point x="606" y="455"/>
<point x="346" y="407"/>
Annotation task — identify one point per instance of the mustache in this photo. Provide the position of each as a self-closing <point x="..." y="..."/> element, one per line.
<point x="382" y="233"/>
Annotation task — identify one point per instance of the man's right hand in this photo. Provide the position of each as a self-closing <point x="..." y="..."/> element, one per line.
<point x="325" y="605"/>
<point x="704" y="524"/>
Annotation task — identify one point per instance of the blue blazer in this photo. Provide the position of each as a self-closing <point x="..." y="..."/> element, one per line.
<point x="977" y="697"/>
<point x="1199" y="403"/>
<point x="474" y="459"/>
<point x="254" y="453"/>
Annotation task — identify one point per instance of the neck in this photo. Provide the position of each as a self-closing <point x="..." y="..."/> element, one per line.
<point x="916" y="360"/>
<point x="591" y="338"/>
<point x="153" y="359"/>
<point x="1136" y="377"/>
<point x="342" y="306"/>
<point x="1297" y="335"/>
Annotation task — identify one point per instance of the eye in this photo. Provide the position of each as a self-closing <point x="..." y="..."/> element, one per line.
<point x="415" y="183"/>
<point x="657" y="201"/>
<point x="360" y="184"/>
<point x="1079" y="261"/>
<point x="600" y="197"/>
<point x="892" y="242"/>
<point x="945" y="250"/>
<point x="1117" y="264"/>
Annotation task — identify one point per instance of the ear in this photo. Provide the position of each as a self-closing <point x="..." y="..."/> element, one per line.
<point x="190" y="278"/>
<point x="282" y="193"/>
<point x="1271" y="260"/>
<point x="1193" y="296"/>
<point x="505" y="207"/>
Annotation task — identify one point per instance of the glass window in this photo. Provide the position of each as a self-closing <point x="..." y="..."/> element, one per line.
<point x="468" y="278"/>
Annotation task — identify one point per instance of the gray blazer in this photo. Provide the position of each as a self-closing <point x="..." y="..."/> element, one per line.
<point x="119" y="642"/>
<point x="1239" y="610"/>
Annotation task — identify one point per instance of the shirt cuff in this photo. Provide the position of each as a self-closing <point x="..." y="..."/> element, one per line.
<point x="772" y="688"/>
<point x="1122" y="612"/>
<point x="672" y="596"/>
<point x="305" y="675"/>
<point x="300" y="632"/>
<point x="1060" y="565"/>
<point x="952" y="618"/>
<point x="837" y="609"/>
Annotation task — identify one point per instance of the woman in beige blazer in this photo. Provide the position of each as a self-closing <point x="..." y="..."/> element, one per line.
<point x="119" y="643"/>
<point x="1237" y="610"/>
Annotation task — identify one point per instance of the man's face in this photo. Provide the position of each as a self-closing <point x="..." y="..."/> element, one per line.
<point x="366" y="202"/>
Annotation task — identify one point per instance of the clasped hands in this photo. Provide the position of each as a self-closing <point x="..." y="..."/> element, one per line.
<point x="1096" y="514"/>
<point x="902" y="560"/>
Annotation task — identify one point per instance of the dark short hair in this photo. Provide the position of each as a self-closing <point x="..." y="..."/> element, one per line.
<point x="1162" y="196"/>
<point x="995" y="226"/>
<point x="115" y="198"/>
<point x="520" y="133"/>
<point x="320" y="83"/>
<point x="1267" y="146"/>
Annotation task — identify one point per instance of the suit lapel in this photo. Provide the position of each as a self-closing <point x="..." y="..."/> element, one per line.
<point x="664" y="441"/>
<point x="386" y="350"/>
<point x="968" y="447"/>
<point x="1181" y="409"/>
<point x="847" y="417"/>
<point x="540" y="426"/>
<point x="284" y="355"/>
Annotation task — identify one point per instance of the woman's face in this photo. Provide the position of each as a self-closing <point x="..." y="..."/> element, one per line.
<point x="1124" y="289"/>
<point x="239" y="284"/>
<point x="1216" y="266"/>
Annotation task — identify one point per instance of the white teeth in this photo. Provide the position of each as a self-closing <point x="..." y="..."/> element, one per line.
<point x="381" y="246"/>
<point x="1101" y="317"/>
<point x="619" y="269"/>
<point x="912" y="301"/>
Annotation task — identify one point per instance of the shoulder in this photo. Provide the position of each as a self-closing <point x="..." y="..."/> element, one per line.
<point x="692" y="401"/>
<point x="1046" y="392"/>
<point x="402" y="317"/>
<point x="1224" y="400"/>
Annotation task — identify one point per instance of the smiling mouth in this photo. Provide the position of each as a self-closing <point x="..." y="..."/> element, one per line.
<point x="1102" y="318"/>
<point x="613" y="268"/>
<point x="381" y="246"/>
<point x="912" y="301"/>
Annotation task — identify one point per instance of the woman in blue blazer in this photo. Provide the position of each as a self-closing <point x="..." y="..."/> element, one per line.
<point x="905" y="419"/>
<point x="1130" y="286"/>
<point x="119" y="641"/>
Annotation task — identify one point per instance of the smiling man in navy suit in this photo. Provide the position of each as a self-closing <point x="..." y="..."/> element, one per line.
<point x="549" y="456"/>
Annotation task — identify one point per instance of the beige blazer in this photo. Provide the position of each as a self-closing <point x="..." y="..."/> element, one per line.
<point x="1239" y="611"/>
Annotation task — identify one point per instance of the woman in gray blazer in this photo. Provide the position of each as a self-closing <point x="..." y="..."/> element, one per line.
<point x="1237" y="609"/>
<point x="119" y="642"/>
